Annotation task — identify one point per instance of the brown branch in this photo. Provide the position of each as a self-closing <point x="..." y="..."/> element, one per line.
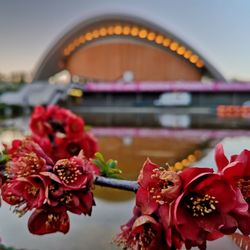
<point x="116" y="183"/>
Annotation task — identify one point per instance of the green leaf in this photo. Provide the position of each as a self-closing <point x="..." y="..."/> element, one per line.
<point x="111" y="163"/>
<point x="99" y="156"/>
<point x="4" y="158"/>
<point x="109" y="168"/>
<point x="99" y="164"/>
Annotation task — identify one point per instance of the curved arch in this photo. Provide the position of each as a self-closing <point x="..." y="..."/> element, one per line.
<point x="102" y="27"/>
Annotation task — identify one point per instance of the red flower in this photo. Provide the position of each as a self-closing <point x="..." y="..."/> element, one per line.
<point x="202" y="211"/>
<point x="45" y="144"/>
<point x="74" y="173"/>
<point x="66" y="147"/>
<point x="172" y="236"/>
<point x="237" y="172"/>
<point x="61" y="133"/>
<point x="78" y="201"/>
<point x="27" y="192"/>
<point x="39" y="123"/>
<point x="74" y="126"/>
<point x="157" y="186"/>
<point x="27" y="158"/>
<point x="57" y="114"/>
<point x="142" y="232"/>
<point x="47" y="220"/>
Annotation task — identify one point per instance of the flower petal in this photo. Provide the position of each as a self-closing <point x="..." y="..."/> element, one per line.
<point x="144" y="201"/>
<point x="146" y="172"/>
<point x="220" y="157"/>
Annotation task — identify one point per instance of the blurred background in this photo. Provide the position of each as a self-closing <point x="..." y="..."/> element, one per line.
<point x="160" y="79"/>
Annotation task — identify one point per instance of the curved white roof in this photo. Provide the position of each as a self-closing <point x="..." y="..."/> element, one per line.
<point x="50" y="63"/>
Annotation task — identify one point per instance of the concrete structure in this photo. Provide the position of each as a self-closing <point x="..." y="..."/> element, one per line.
<point x="111" y="47"/>
<point x="39" y="93"/>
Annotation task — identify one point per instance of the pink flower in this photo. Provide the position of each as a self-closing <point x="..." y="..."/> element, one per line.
<point x="157" y="186"/>
<point x="47" y="220"/>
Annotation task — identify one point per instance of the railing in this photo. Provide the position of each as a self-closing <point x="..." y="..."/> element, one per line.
<point x="161" y="86"/>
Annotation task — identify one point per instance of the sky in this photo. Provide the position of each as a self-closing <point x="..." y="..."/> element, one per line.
<point x="217" y="29"/>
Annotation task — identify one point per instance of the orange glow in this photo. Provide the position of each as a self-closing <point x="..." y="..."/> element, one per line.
<point x="191" y="158"/>
<point x="178" y="166"/>
<point x="95" y="34"/>
<point x="159" y="39"/>
<point x="126" y="30"/>
<point x="110" y="30"/>
<point x="151" y="36"/>
<point x="71" y="47"/>
<point x="134" y="31"/>
<point x="193" y="58"/>
<point x="187" y="54"/>
<point x="166" y="42"/>
<point x="200" y="64"/>
<point x="181" y="50"/>
<point x="66" y="52"/>
<point x="143" y="33"/>
<point x="118" y="29"/>
<point x="103" y="31"/>
<point x="82" y="39"/>
<point x="185" y="162"/>
<point x="88" y="36"/>
<point x="174" y="46"/>
<point x="76" y="42"/>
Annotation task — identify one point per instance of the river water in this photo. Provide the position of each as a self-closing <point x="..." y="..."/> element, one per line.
<point x="130" y="141"/>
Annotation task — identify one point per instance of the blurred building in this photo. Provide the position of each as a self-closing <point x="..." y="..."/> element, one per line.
<point x="112" y="48"/>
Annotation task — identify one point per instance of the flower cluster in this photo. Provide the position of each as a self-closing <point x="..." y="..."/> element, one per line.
<point x="35" y="182"/>
<point x="61" y="133"/>
<point x="190" y="207"/>
<point x="50" y="171"/>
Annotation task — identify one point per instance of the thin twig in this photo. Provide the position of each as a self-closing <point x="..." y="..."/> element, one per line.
<point x="116" y="183"/>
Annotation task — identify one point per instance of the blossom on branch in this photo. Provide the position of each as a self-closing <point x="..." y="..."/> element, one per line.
<point x="61" y="133"/>
<point x="35" y="182"/>
<point x="192" y="206"/>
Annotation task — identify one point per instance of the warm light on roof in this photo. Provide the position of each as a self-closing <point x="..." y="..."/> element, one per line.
<point x="151" y="36"/>
<point x="118" y="29"/>
<point x="143" y="33"/>
<point x="174" y="46"/>
<point x="138" y="32"/>
<point x="159" y="39"/>
<point x="126" y="30"/>
<point x="89" y="36"/>
<point x="134" y="31"/>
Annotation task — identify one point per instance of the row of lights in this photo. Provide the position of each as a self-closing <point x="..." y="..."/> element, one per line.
<point x="134" y="31"/>
<point x="233" y="111"/>
<point x="180" y="165"/>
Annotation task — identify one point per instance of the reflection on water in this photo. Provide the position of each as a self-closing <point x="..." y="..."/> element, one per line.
<point x="167" y="120"/>
<point x="131" y="147"/>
